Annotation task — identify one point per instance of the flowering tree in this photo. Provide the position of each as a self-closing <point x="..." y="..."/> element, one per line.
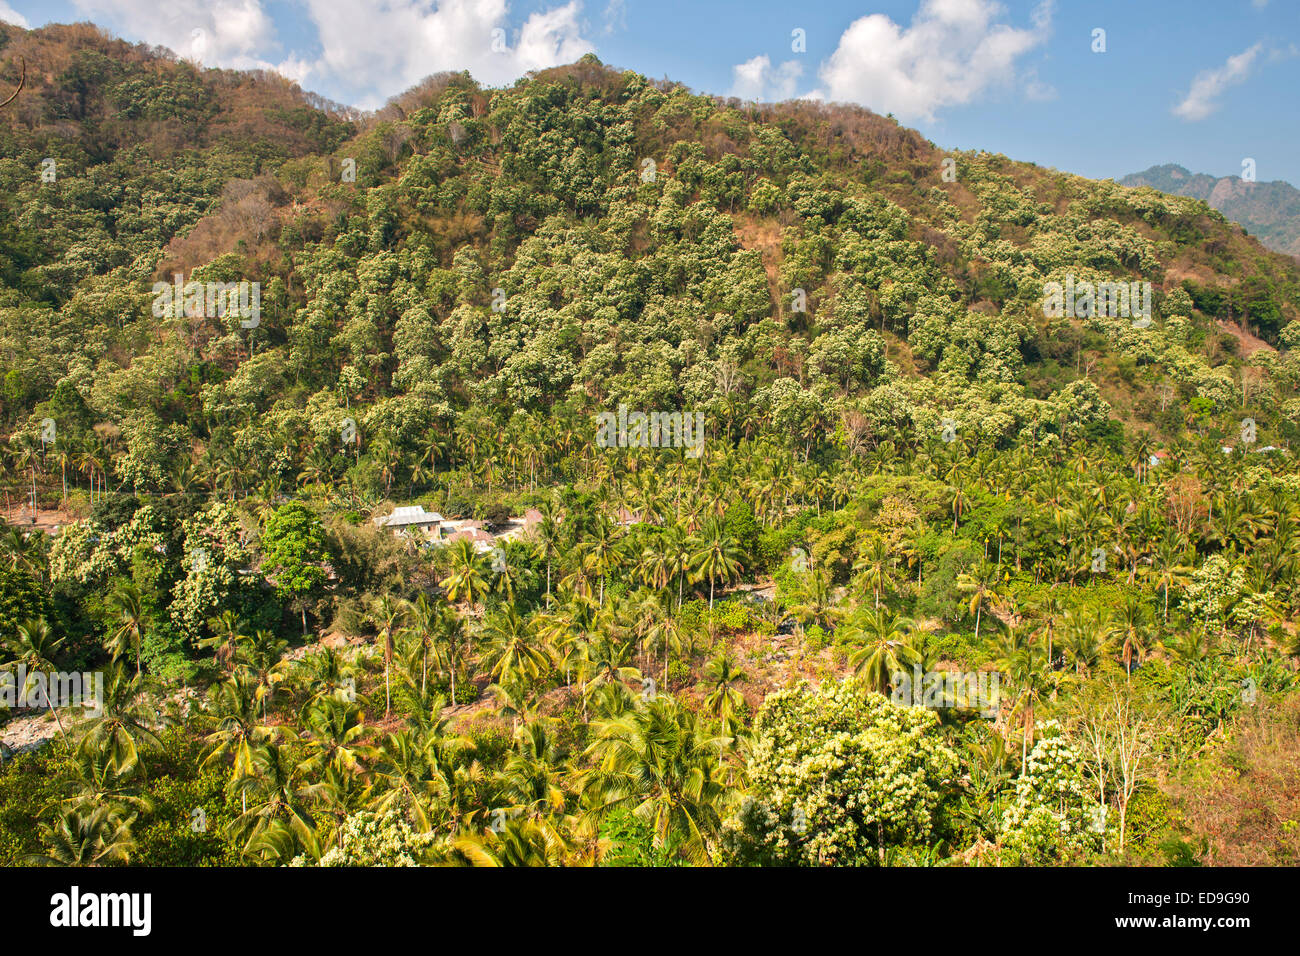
<point x="839" y="776"/>
<point x="1052" y="817"/>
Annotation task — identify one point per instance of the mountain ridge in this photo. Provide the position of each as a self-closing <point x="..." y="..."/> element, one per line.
<point x="1269" y="210"/>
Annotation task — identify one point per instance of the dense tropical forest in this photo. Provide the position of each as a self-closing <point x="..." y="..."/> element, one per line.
<point x="941" y="580"/>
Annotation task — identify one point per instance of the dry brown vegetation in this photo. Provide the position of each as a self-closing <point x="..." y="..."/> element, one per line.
<point x="1245" y="799"/>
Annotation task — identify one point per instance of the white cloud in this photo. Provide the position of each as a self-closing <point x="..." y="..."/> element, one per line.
<point x="615" y="16"/>
<point x="756" y="79"/>
<point x="1210" y="84"/>
<point x="1035" y="88"/>
<point x="366" y="52"/>
<point x="952" y="52"/>
<point x="370" y="53"/>
<point x="228" y="33"/>
<point x="9" y="15"/>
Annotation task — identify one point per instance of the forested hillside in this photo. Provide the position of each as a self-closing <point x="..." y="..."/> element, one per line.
<point x="690" y="654"/>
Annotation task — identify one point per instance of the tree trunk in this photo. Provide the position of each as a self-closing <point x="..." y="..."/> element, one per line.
<point x="55" y="711"/>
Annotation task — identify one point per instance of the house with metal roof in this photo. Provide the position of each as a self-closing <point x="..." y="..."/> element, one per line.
<point x="412" y="518"/>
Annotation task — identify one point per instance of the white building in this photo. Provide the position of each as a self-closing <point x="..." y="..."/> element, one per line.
<point x="413" y="518"/>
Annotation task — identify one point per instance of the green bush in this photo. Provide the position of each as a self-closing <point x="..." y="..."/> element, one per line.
<point x="731" y="617"/>
<point x="165" y="652"/>
<point x="815" y="637"/>
<point x="632" y="842"/>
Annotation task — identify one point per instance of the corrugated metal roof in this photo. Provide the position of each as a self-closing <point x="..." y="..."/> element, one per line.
<point x="413" y="514"/>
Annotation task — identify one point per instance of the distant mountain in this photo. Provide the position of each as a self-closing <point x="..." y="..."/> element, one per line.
<point x="1268" y="211"/>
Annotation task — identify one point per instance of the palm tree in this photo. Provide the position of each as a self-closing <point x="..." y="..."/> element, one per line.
<point x="676" y="548"/>
<point x="333" y="728"/>
<point x="453" y="633"/>
<point x="813" y="598"/>
<point x="87" y="836"/>
<point x="235" y="729"/>
<point x="33" y="645"/>
<point x="724" y="699"/>
<point x="227" y="635"/>
<point x="31" y="456"/>
<point x="548" y="539"/>
<point x="333" y="797"/>
<point x="95" y="782"/>
<point x="1170" y="568"/>
<point x="127" y="606"/>
<point x="569" y="631"/>
<point x="88" y="465"/>
<point x="1143" y="446"/>
<point x="657" y="761"/>
<point x="886" y="648"/>
<point x="25" y="550"/>
<point x="514" y="700"/>
<point x="276" y="825"/>
<point x="717" y="555"/>
<point x="326" y="671"/>
<point x="602" y="548"/>
<point x="1026" y="674"/>
<point x="411" y="779"/>
<point x="1086" y="636"/>
<point x="981" y="583"/>
<point x="511" y="652"/>
<point x="516" y="843"/>
<point x="63" y="457"/>
<point x="873" y="565"/>
<point x="466" y="579"/>
<point x="1049" y="608"/>
<point x="424" y="622"/>
<point x="125" y="717"/>
<point x="608" y="661"/>
<point x="265" y="664"/>
<point x="388" y="615"/>
<point x="533" y="781"/>
<point x="316" y="468"/>
<point x="509" y="569"/>
<point x="1131" y="619"/>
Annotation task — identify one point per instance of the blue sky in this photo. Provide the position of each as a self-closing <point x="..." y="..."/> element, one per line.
<point x="1204" y="83"/>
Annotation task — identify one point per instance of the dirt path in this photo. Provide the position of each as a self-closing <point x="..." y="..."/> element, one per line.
<point x="47" y="519"/>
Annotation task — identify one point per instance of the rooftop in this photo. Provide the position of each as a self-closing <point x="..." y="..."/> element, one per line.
<point x="408" y="515"/>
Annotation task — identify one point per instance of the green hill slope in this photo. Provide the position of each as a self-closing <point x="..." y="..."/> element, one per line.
<point x="584" y="239"/>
